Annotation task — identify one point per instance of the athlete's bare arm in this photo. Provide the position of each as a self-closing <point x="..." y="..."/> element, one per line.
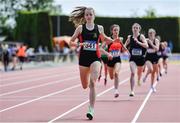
<point x="144" y="42"/>
<point x="127" y="41"/>
<point x="75" y="35"/>
<point x="103" y="36"/>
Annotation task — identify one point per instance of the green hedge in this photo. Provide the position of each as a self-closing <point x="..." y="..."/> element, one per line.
<point x="168" y="27"/>
<point x="34" y="29"/>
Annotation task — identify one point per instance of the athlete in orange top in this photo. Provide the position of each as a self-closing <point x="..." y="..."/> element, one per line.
<point x="114" y="65"/>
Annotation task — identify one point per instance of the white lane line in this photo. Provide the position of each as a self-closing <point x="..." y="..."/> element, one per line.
<point x="42" y="97"/>
<point x="142" y="106"/>
<point x="41" y="85"/>
<point x="36" y="79"/>
<point x="144" y="103"/>
<point x="5" y="78"/>
<point x="25" y="76"/>
<point x="80" y="105"/>
<point x="16" y="73"/>
<point x="37" y="86"/>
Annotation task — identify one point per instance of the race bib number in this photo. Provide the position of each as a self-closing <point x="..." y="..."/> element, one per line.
<point x="150" y="50"/>
<point x="115" y="53"/>
<point x="158" y="53"/>
<point x="89" y="45"/>
<point x="136" y="52"/>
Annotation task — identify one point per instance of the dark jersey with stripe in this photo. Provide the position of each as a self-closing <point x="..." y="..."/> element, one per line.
<point x="150" y="50"/>
<point x="90" y="50"/>
<point x="135" y="49"/>
<point x="152" y="54"/>
<point x="137" y="52"/>
<point x="90" y="38"/>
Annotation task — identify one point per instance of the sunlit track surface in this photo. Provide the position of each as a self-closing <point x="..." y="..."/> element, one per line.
<point x="54" y="94"/>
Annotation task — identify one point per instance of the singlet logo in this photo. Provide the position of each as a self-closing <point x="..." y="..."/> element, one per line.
<point x="94" y="35"/>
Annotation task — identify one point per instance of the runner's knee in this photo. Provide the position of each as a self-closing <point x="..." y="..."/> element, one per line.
<point x="84" y="86"/>
<point x="94" y="75"/>
<point x="91" y="85"/>
<point x="116" y="74"/>
<point x="132" y="74"/>
<point x="111" y="77"/>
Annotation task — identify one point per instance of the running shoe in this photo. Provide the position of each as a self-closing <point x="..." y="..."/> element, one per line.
<point x="90" y="113"/>
<point x="116" y="94"/>
<point x="158" y="78"/>
<point x="144" y="79"/>
<point x="166" y="72"/>
<point x="153" y="89"/>
<point x="139" y="83"/>
<point x="131" y="94"/>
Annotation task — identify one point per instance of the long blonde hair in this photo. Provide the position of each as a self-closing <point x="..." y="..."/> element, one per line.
<point x="77" y="15"/>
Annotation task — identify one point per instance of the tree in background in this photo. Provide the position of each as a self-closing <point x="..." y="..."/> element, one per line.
<point x="9" y="9"/>
<point x="150" y="13"/>
<point x="34" y="29"/>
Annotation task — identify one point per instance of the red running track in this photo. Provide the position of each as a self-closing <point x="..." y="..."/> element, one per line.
<point x="55" y="95"/>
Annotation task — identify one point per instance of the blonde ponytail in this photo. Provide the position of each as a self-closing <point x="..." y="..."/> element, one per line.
<point x="77" y="15"/>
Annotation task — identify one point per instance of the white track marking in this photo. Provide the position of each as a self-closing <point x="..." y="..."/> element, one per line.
<point x="80" y="105"/>
<point x="39" y="98"/>
<point x="35" y="79"/>
<point x="37" y="86"/>
<point x="144" y="103"/>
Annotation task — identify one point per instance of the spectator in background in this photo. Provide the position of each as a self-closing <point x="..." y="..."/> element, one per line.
<point x="5" y="56"/>
<point x="72" y="54"/>
<point x="65" y="52"/>
<point x="46" y="50"/>
<point x="14" y="56"/>
<point x="0" y="55"/>
<point x="40" y="49"/>
<point x="30" y="54"/>
<point x="21" y="53"/>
